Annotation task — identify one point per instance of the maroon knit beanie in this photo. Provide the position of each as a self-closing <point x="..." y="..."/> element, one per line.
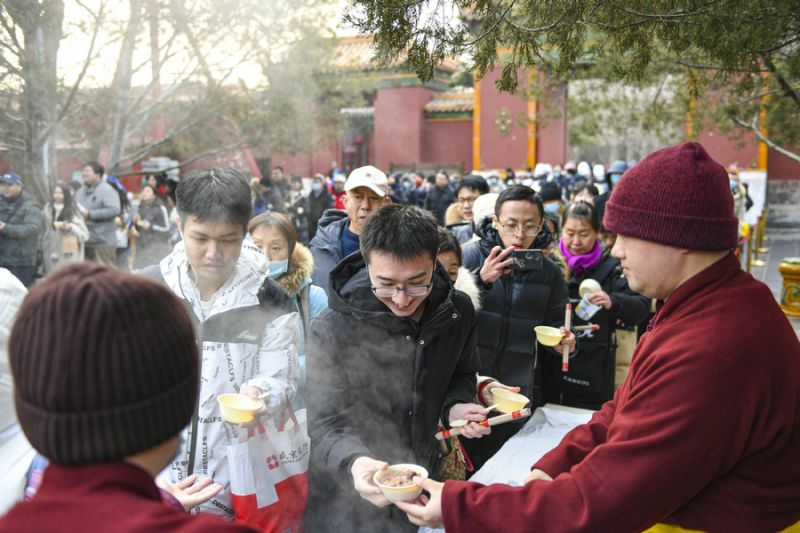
<point x="105" y="365"/>
<point x="676" y="196"/>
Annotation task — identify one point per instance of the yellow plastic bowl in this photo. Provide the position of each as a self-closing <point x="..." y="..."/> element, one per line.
<point x="507" y="401"/>
<point x="547" y="335"/>
<point x="237" y="408"/>
<point x="400" y="494"/>
<point x="589" y="286"/>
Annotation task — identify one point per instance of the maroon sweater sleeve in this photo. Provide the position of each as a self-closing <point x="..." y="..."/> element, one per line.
<point x="578" y="443"/>
<point x="657" y="455"/>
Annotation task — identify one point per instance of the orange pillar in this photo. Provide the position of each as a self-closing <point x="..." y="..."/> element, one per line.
<point x="762" y="119"/>
<point x="476" y="126"/>
<point x="532" y="103"/>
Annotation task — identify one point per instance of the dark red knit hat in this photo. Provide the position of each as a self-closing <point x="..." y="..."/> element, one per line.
<point x="676" y="196"/>
<point x="105" y="365"/>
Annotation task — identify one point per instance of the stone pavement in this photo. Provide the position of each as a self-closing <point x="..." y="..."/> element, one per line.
<point x="782" y="242"/>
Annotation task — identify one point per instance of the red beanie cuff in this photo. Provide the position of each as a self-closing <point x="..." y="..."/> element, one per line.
<point x="677" y="196"/>
<point x="681" y="231"/>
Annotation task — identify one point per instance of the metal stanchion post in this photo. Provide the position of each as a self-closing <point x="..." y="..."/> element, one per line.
<point x="758" y="237"/>
<point x="762" y="226"/>
<point x="749" y="249"/>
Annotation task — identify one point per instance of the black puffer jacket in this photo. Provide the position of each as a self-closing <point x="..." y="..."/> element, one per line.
<point x="511" y="307"/>
<point x="590" y="380"/>
<point x="20" y="238"/>
<point x="438" y="200"/>
<point x="377" y="386"/>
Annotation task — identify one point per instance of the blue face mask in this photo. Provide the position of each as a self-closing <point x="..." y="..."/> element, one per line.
<point x="615" y="178"/>
<point x="278" y="268"/>
<point x="552" y="208"/>
<point x="492" y="181"/>
<point x="408" y="185"/>
<point x="316" y="187"/>
<point x="733" y="185"/>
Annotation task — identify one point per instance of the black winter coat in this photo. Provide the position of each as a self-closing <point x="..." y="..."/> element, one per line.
<point x="590" y="380"/>
<point x="297" y="208"/>
<point x="20" y="238"/>
<point x="152" y="245"/>
<point x="438" y="200"/>
<point x="317" y="204"/>
<point x="377" y="386"/>
<point x="511" y="307"/>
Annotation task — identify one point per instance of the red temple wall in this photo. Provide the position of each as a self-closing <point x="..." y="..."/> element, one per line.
<point x="497" y="150"/>
<point x="448" y="142"/>
<point x="399" y="125"/>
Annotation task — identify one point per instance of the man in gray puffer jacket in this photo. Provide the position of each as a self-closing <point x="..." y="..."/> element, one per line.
<point x="99" y="204"/>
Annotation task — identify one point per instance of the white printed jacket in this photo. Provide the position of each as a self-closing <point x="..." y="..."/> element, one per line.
<point x="249" y="337"/>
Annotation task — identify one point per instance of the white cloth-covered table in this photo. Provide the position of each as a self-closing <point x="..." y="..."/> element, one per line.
<point x="540" y="434"/>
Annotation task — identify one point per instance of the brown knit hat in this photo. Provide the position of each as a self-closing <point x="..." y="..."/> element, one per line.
<point x="105" y="365"/>
<point x="677" y="196"/>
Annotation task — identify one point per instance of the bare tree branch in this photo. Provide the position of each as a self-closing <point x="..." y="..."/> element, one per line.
<point x="684" y="63"/>
<point x="143" y="151"/>
<point x="10" y="67"/>
<point x="753" y="126"/>
<point x="781" y="45"/>
<point x="190" y="160"/>
<point x="13" y="143"/>
<point x="12" y="118"/>
<point x="179" y="14"/>
<point x="144" y="114"/>
<point x="758" y="96"/>
<point x="98" y="19"/>
<point x="10" y="29"/>
<point x="676" y="16"/>
<point x="212" y="151"/>
<point x="493" y="26"/>
<point x="10" y="48"/>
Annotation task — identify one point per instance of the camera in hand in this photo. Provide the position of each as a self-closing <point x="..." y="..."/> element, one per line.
<point x="527" y="260"/>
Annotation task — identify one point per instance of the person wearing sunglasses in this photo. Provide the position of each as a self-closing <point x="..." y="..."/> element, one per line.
<point x="393" y="356"/>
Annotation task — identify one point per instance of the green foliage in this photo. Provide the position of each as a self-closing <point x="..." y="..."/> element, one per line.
<point x="720" y="48"/>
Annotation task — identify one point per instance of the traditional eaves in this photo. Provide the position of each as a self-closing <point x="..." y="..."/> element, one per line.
<point x="459" y="101"/>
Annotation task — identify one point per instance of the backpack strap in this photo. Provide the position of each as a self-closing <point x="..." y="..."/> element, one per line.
<point x="305" y="310"/>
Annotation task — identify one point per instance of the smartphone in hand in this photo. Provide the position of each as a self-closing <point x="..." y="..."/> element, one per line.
<point x="528" y="259"/>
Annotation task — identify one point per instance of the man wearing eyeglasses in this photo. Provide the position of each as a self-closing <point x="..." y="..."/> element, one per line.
<point x="514" y="302"/>
<point x="395" y="354"/>
<point x="467" y="191"/>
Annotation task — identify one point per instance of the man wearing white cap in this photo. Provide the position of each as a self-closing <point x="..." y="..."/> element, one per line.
<point x="366" y="191"/>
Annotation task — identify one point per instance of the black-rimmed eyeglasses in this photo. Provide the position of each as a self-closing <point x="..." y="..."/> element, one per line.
<point x="392" y="291"/>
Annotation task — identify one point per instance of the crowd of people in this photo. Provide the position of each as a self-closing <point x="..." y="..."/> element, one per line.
<point x="391" y="307"/>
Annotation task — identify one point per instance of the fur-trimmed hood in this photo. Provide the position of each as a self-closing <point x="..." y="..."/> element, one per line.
<point x="466" y="283"/>
<point x="301" y="265"/>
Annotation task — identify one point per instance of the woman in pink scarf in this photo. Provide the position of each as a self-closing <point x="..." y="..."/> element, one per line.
<point x="590" y="380"/>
